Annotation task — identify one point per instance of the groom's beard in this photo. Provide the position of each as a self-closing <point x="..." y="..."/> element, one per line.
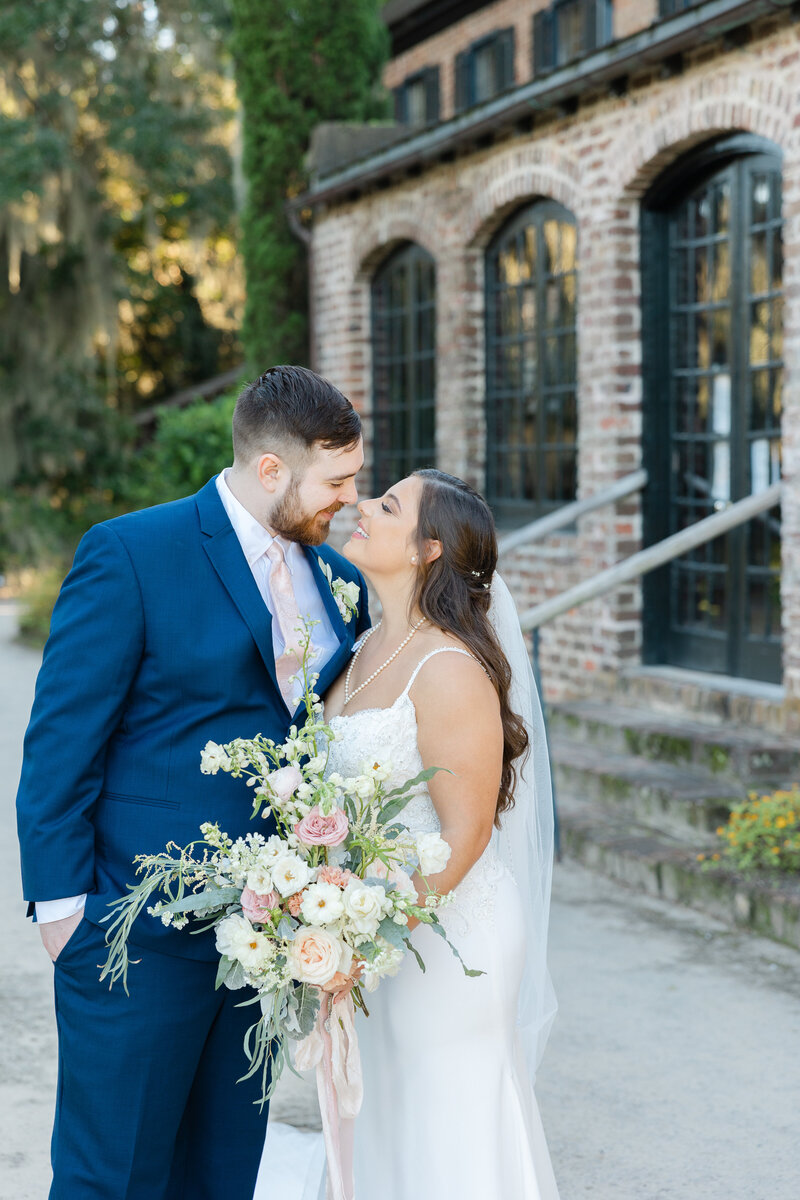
<point x="290" y="521"/>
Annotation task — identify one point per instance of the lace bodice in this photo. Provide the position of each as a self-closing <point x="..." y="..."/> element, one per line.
<point x="390" y="736"/>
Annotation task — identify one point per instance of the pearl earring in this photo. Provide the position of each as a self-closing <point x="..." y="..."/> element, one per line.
<point x="414" y="559"/>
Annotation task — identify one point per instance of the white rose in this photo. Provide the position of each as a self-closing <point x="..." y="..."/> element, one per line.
<point x="236" y="939"/>
<point x="322" y="904"/>
<point x="214" y="758"/>
<point x="365" y="906"/>
<point x="433" y="853"/>
<point x="316" y="955"/>
<point x="290" y="874"/>
<point x="284" y="782"/>
<point x="273" y="849"/>
<point x="259" y="879"/>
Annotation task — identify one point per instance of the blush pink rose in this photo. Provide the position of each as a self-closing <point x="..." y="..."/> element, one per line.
<point x="316" y="830"/>
<point x="285" y="781"/>
<point x="317" y="956"/>
<point x="256" y="906"/>
<point x="336" y="875"/>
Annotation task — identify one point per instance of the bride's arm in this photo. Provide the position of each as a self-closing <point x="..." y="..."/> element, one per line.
<point x="459" y="727"/>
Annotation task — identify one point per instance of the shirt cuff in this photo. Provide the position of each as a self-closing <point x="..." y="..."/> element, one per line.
<point x="57" y="910"/>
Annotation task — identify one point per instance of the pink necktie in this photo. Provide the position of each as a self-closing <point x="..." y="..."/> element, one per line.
<point x="287" y="614"/>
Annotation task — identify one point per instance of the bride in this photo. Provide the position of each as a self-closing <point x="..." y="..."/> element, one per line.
<point x="448" y="1060"/>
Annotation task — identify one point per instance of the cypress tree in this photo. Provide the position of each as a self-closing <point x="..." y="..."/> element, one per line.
<point x="297" y="64"/>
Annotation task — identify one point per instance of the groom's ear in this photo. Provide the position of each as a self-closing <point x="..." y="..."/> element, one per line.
<point x="433" y="550"/>
<point x="271" y="471"/>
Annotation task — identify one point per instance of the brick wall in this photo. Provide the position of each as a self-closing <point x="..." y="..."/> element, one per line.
<point x="629" y="17"/>
<point x="599" y="164"/>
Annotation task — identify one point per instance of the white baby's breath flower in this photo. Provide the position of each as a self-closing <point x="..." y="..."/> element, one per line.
<point x="290" y="874"/>
<point x="387" y="962"/>
<point x="322" y="904"/>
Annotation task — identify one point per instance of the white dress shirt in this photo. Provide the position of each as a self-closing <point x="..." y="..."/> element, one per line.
<point x="254" y="540"/>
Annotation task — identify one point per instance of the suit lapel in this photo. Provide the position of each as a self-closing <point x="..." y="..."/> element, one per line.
<point x="227" y="558"/>
<point x="336" y="662"/>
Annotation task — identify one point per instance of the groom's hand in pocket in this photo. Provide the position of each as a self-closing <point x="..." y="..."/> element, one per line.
<point x="56" y="934"/>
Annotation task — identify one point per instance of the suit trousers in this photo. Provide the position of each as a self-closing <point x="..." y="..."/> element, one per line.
<point x="148" y="1107"/>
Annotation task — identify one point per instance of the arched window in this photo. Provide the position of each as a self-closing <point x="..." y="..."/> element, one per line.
<point x="404" y="365"/>
<point x="531" y="402"/>
<point x="713" y="358"/>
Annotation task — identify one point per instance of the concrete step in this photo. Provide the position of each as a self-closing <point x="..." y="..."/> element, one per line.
<point x="667" y="867"/>
<point x="683" y="801"/>
<point x="726" y="750"/>
<point x="712" y="699"/>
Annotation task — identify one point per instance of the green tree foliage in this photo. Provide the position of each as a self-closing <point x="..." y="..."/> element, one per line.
<point x="297" y="65"/>
<point x="116" y="238"/>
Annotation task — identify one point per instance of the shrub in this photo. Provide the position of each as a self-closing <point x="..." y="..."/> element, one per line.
<point x="37" y="605"/>
<point x="189" y="446"/>
<point x="762" y="833"/>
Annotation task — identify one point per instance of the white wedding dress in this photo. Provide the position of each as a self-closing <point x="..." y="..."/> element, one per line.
<point x="448" y="1107"/>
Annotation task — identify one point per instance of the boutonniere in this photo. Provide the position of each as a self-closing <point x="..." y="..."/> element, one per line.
<point x="346" y="595"/>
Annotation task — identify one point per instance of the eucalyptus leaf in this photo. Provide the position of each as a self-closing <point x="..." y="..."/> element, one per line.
<point x="437" y="928"/>
<point x="200" y="902"/>
<point x="416" y="953"/>
<point x="308" y="1007"/>
<point x="396" y="934"/>
<point x="286" y="929"/>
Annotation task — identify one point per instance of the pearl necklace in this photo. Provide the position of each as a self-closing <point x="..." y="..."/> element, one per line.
<point x="348" y="695"/>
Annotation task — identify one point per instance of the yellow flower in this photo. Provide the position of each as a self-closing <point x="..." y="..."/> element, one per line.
<point x="720" y="830"/>
<point x="701" y="858"/>
<point x="775" y="850"/>
<point x="790" y="817"/>
<point x="780" y="822"/>
<point x="715" y="857"/>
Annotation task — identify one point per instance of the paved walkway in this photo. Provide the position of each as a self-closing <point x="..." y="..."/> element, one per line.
<point x="673" y="1072"/>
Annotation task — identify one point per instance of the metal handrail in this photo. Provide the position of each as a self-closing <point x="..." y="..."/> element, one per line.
<point x="654" y="556"/>
<point x="542" y="527"/>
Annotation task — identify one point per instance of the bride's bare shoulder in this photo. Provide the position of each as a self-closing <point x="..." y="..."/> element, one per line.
<point x="454" y="679"/>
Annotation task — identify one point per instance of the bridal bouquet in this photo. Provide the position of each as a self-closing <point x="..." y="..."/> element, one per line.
<point x="300" y="913"/>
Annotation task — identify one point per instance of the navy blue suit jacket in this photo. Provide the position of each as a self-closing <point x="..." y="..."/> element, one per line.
<point x="160" y="642"/>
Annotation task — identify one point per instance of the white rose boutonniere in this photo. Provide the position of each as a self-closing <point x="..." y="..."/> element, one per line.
<point x="346" y="595"/>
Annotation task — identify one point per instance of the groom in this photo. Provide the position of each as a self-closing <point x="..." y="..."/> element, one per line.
<point x="174" y="627"/>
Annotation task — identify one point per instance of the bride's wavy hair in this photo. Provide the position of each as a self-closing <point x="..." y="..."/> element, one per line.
<point x="453" y="592"/>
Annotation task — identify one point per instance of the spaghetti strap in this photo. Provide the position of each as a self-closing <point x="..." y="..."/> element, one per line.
<point x="430" y="654"/>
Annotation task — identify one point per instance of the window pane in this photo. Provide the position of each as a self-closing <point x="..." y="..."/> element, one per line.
<point x="404" y="365"/>
<point x="530" y="367"/>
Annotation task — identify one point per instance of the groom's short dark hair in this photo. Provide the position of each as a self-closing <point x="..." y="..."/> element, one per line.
<point x="292" y="408"/>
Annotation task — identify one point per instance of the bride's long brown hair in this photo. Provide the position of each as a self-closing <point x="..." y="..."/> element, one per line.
<point x="452" y="591"/>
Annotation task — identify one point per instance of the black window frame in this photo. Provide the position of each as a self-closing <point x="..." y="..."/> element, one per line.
<point x="503" y="41"/>
<point x="429" y="78"/>
<point x="415" y="410"/>
<point x="737" y="649"/>
<point x="501" y="451"/>
<point x="598" y="31"/>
